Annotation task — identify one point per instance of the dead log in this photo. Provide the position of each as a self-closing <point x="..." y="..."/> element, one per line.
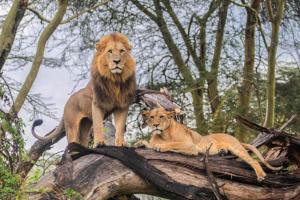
<point x="282" y="144"/>
<point x="149" y="172"/>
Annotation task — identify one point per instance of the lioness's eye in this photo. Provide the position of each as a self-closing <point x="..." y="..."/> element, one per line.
<point x="161" y="116"/>
<point x="151" y="117"/>
<point x="110" y="51"/>
<point x="122" y="50"/>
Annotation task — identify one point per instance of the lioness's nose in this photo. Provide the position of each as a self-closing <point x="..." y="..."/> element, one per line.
<point x="117" y="61"/>
<point x="156" y="125"/>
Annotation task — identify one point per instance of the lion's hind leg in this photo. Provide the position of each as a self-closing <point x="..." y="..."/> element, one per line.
<point x="238" y="150"/>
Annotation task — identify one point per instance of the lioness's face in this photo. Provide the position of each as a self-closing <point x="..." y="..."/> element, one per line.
<point x="116" y="56"/>
<point x="158" y="119"/>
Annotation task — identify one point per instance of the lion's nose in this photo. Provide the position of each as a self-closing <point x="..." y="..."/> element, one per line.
<point x="156" y="125"/>
<point x="117" y="61"/>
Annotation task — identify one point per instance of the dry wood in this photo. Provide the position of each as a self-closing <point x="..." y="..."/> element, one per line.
<point x="101" y="177"/>
<point x="283" y="145"/>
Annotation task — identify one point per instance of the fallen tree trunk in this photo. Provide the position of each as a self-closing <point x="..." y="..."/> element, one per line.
<point x="101" y="177"/>
<point x="283" y="146"/>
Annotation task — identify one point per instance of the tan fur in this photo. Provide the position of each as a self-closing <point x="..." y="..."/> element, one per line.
<point x="77" y="118"/>
<point x="169" y="135"/>
<point x="106" y="93"/>
<point x="113" y="84"/>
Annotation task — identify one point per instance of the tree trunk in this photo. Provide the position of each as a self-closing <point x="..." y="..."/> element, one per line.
<point x="247" y="83"/>
<point x="101" y="177"/>
<point x="50" y="28"/>
<point x="212" y="77"/>
<point x="272" y="52"/>
<point x="9" y="28"/>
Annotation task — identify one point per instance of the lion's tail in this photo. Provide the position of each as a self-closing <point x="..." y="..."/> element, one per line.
<point x="52" y="134"/>
<point x="258" y="154"/>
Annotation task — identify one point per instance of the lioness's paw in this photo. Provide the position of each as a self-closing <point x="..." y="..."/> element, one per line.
<point x="157" y="149"/>
<point x="140" y="143"/>
<point x="261" y="176"/>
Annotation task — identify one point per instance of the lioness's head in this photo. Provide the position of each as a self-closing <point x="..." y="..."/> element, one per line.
<point x="158" y="119"/>
<point x="113" y="57"/>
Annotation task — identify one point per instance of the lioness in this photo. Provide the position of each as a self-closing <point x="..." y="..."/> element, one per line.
<point x="169" y="135"/>
<point x="111" y="90"/>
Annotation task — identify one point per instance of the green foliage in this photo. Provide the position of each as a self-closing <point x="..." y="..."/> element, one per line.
<point x="288" y="98"/>
<point x="72" y="194"/>
<point x="9" y="183"/>
<point x="34" y="176"/>
<point x="12" y="151"/>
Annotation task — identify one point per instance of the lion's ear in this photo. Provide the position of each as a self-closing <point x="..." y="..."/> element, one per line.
<point x="99" y="46"/>
<point x="130" y="46"/>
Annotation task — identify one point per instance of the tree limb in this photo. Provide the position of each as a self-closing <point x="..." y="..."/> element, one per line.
<point x="9" y="28"/>
<point x="101" y="177"/>
<point x="48" y="31"/>
<point x="41" y="17"/>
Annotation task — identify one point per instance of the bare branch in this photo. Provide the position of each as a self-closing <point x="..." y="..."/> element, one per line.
<point x="69" y="19"/>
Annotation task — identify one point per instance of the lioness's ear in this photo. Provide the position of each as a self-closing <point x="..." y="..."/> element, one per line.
<point x="145" y="114"/>
<point x="171" y="114"/>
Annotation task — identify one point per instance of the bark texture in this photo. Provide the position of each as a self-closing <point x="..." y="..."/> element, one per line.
<point x="275" y="19"/>
<point x="9" y="28"/>
<point x="248" y="70"/>
<point x="101" y="177"/>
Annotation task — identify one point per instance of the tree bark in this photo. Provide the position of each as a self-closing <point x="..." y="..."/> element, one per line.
<point x="247" y="82"/>
<point x="9" y="29"/>
<point x="101" y="177"/>
<point x="50" y="28"/>
<point x="272" y="52"/>
<point x="212" y="77"/>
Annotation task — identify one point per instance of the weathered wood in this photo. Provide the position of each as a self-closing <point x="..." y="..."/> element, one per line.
<point x="140" y="166"/>
<point x="283" y="145"/>
<point x="101" y="177"/>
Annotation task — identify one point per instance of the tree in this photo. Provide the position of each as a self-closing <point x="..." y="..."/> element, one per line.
<point x="10" y="27"/>
<point x="249" y="61"/>
<point x="275" y="19"/>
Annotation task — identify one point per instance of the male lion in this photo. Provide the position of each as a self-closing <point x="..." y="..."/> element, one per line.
<point x="111" y="91"/>
<point x="169" y="135"/>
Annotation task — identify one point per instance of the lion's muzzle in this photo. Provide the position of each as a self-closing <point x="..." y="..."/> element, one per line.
<point x="116" y="70"/>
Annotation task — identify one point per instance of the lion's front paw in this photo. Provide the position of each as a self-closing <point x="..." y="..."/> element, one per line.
<point x="99" y="144"/>
<point x="120" y="142"/>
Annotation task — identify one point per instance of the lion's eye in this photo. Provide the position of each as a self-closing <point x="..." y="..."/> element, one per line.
<point x="122" y="51"/>
<point x="161" y="117"/>
<point x="110" y="51"/>
<point x="151" y="117"/>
